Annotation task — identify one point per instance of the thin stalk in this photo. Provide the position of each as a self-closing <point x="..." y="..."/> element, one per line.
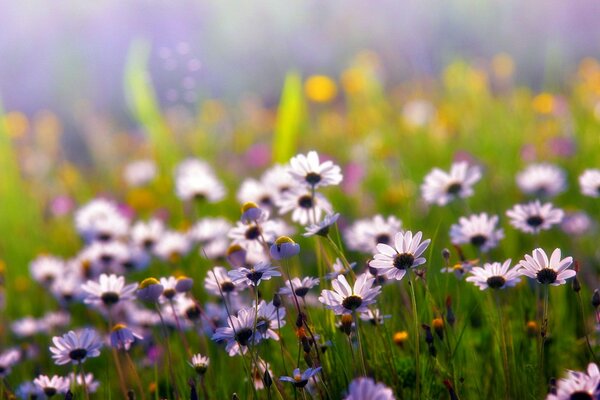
<point x="587" y="338"/>
<point x="360" y="346"/>
<point x="136" y="376"/>
<point x="413" y="300"/>
<point x="503" y="344"/>
<point x="169" y="358"/>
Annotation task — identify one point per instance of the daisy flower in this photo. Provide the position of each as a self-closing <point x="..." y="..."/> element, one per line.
<point x="78" y="380"/>
<point x="45" y="269"/>
<point x="52" y="386"/>
<point x="395" y="262"/>
<point x="308" y="170"/>
<point x="239" y="333"/>
<point x="479" y="230"/>
<point x="218" y="282"/>
<point x="578" y="385"/>
<point x="534" y="217"/>
<point x="495" y="275"/>
<point x="284" y="248"/>
<point x="121" y="337"/>
<point x="366" y="389"/>
<point x="211" y="235"/>
<point x="254" y="275"/>
<point x="338" y="269"/>
<point x="8" y="359"/>
<point x="139" y="172"/>
<point x="300" y="379"/>
<point x="75" y="346"/>
<point x="577" y="223"/>
<point x="542" y="180"/>
<point x="108" y="291"/>
<point x="146" y="234"/>
<point x="304" y="207"/>
<point x="195" y="179"/>
<point x="278" y="178"/>
<point x="547" y="272"/>
<point x="321" y="228"/>
<point x="364" y="235"/>
<point x="250" y="236"/>
<point x="268" y="319"/>
<point x="172" y="246"/>
<point x="299" y="287"/>
<point x="441" y="187"/>
<point x="344" y="299"/>
<point x="100" y="219"/>
<point x="199" y="363"/>
<point x="589" y="182"/>
<point x="258" y="192"/>
<point x="374" y="316"/>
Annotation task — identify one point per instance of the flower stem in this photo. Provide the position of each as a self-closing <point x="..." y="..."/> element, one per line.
<point x="413" y="300"/>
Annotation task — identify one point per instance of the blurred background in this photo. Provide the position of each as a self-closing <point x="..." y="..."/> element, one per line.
<point x="71" y="54"/>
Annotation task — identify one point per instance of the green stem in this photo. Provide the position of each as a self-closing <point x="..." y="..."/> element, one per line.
<point x="413" y="300"/>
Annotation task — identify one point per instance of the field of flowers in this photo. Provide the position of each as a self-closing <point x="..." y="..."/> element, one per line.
<point x="432" y="240"/>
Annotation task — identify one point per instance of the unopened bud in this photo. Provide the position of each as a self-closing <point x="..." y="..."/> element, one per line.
<point x="596" y="298"/>
<point x="346" y="325"/>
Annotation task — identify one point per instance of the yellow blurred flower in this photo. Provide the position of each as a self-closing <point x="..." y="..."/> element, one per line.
<point x="320" y="88"/>
<point x="354" y="80"/>
<point x="141" y="199"/>
<point x="16" y="124"/>
<point x="543" y="103"/>
<point x="503" y="65"/>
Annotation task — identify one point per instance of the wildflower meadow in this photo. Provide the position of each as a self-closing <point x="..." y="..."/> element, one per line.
<point x="352" y="239"/>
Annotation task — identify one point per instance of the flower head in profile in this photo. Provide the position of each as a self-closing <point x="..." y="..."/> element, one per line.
<point x="108" y="291"/>
<point x="75" y="346"/>
<point x="252" y="276"/>
<point x="544" y="180"/>
<point x="298" y="287"/>
<point x="344" y="299"/>
<point x="52" y="385"/>
<point x="365" y="234"/>
<point x="578" y="385"/>
<point x="269" y="318"/>
<point x="321" y="228"/>
<point x="309" y="171"/>
<point x="299" y="378"/>
<point x="534" y="217"/>
<point x="395" y="261"/>
<point x="86" y="381"/>
<point x="121" y="337"/>
<point x="8" y="359"/>
<point x="442" y="187"/>
<point x="495" y="275"/>
<point x="364" y="388"/>
<point x="200" y="363"/>
<point x="553" y="271"/>
<point x="479" y="230"/>
<point x="284" y="248"/>
<point x="589" y="182"/>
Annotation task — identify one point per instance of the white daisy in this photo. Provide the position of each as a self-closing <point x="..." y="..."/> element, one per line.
<point x="45" y="269"/>
<point x="299" y="287"/>
<point x="211" y="235"/>
<point x="240" y="332"/>
<point x="139" y="172"/>
<point x="251" y="235"/>
<point x="146" y="234"/>
<point x="78" y="380"/>
<point x="100" y="219"/>
<point x="52" y="385"/>
<point x="545" y="180"/>
<point x="108" y="291"/>
<point x="547" y="272"/>
<point x="308" y="170"/>
<point x="75" y="347"/>
<point x="344" y="299"/>
<point x="495" y="275"/>
<point x="441" y="187"/>
<point x="479" y="230"/>
<point x="578" y="385"/>
<point x="299" y="378"/>
<point x="304" y="207"/>
<point x="589" y="182"/>
<point x="395" y="262"/>
<point x="199" y="363"/>
<point x="269" y="318"/>
<point x="338" y="269"/>
<point x="321" y="228"/>
<point x="195" y="180"/>
<point x="256" y="191"/>
<point x="278" y="178"/>
<point x="374" y="316"/>
<point x="534" y="217"/>
<point x="8" y="359"/>
<point x="364" y="235"/>
<point x="364" y="388"/>
<point x="252" y="276"/>
<point x="172" y="246"/>
<point x="217" y="282"/>
<point x="576" y="223"/>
